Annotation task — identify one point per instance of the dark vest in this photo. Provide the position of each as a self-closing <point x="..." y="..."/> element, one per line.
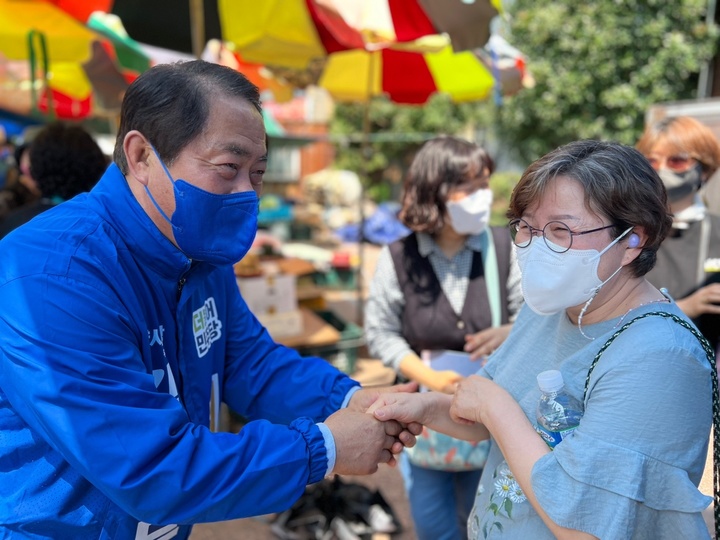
<point x="428" y="320"/>
<point x="677" y="265"/>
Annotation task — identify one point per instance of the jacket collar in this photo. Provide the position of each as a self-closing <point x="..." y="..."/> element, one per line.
<point x="113" y="200"/>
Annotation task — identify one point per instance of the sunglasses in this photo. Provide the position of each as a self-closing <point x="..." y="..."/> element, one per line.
<point x="676" y="163"/>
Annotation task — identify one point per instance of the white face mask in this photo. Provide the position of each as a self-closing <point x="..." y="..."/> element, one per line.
<point x="553" y="281"/>
<point x="470" y="215"/>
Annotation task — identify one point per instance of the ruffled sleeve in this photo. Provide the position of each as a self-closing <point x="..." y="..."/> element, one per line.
<point x="632" y="494"/>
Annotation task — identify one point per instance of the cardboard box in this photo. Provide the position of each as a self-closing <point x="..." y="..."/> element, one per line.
<point x="283" y="324"/>
<point x="267" y="295"/>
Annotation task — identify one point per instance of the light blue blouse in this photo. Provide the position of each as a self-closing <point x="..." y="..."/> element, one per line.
<point x="631" y="469"/>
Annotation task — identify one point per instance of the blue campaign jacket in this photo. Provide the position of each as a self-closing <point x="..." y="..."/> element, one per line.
<point x="116" y="351"/>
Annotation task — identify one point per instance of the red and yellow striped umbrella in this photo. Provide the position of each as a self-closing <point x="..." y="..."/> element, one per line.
<point x="406" y="76"/>
<point x="370" y="47"/>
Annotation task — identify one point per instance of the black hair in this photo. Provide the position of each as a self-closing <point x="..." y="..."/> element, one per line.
<point x="65" y="160"/>
<point x="170" y="104"/>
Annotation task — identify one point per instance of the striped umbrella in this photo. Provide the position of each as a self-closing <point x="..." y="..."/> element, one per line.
<point x="365" y="47"/>
<point x="406" y="76"/>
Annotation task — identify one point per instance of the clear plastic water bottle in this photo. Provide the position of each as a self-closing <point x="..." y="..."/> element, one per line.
<point x="558" y="413"/>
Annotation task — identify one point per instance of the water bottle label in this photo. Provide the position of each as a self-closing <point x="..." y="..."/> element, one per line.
<point x="553" y="438"/>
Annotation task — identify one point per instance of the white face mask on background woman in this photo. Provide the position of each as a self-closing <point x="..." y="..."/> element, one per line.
<point x="554" y="281"/>
<point x="471" y="214"/>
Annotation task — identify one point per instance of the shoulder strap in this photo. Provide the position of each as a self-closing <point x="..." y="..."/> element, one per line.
<point x="710" y="354"/>
<point x="492" y="277"/>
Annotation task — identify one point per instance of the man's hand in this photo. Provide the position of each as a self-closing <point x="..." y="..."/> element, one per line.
<point x="404" y="434"/>
<point x="362" y="442"/>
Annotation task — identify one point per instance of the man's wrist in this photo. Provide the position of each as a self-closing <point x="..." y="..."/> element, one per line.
<point x="329" y="447"/>
<point x="349" y="396"/>
<point x="317" y="447"/>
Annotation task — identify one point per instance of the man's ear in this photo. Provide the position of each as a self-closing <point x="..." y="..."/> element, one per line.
<point x="137" y="154"/>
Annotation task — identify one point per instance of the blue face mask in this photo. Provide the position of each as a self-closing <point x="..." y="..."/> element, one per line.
<point x="217" y="229"/>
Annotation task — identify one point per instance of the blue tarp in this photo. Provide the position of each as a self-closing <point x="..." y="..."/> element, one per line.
<point x="383" y="227"/>
<point x="15" y="124"/>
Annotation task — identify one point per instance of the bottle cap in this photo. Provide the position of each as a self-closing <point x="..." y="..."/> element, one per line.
<point x="550" y="381"/>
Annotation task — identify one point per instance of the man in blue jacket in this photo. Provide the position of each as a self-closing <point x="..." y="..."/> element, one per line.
<point x="122" y="330"/>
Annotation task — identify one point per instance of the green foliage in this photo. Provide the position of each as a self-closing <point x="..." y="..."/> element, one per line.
<point x="396" y="132"/>
<point x="502" y="184"/>
<point x="599" y="65"/>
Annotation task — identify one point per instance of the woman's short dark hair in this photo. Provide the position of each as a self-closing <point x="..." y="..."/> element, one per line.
<point x="65" y="160"/>
<point x="619" y="185"/>
<point x="440" y="164"/>
<point x="170" y="104"/>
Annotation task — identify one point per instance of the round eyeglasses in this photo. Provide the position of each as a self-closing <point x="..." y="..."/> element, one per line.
<point x="557" y="236"/>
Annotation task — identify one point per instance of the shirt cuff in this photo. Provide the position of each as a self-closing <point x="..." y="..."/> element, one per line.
<point x="329" y="445"/>
<point x="349" y="395"/>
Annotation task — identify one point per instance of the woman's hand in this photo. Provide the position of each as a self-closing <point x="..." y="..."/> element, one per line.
<point x="704" y="300"/>
<point x="408" y="409"/>
<point x="473" y="396"/>
<point x="445" y="381"/>
<point x="431" y="409"/>
<point x="363" y="398"/>
<point x="484" y="343"/>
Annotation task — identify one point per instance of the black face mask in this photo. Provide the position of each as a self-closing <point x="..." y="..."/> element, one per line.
<point x="680" y="185"/>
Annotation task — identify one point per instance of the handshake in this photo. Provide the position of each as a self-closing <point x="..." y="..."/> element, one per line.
<point x="362" y="441"/>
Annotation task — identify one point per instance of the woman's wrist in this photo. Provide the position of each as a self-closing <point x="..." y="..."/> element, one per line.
<point x="437" y="407"/>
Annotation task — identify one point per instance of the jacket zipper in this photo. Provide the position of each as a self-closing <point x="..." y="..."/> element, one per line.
<point x="181" y="386"/>
<point x="180" y="285"/>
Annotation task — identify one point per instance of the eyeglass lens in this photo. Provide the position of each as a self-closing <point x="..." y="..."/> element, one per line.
<point x="556" y="234"/>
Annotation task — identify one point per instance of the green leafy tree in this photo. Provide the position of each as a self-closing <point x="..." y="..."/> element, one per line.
<point x="396" y="132"/>
<point x="599" y="65"/>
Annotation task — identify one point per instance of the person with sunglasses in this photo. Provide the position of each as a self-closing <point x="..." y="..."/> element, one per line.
<point x="587" y="220"/>
<point x="685" y="153"/>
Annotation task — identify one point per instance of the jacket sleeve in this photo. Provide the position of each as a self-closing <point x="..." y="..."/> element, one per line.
<point x="264" y="379"/>
<point x="71" y="368"/>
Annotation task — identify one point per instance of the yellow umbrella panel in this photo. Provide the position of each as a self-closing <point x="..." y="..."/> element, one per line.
<point x="67" y="40"/>
<point x="406" y="76"/>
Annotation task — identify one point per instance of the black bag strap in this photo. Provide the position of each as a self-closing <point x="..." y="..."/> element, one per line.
<point x="715" y="397"/>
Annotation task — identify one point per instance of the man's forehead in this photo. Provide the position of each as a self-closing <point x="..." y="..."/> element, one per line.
<point x="236" y="127"/>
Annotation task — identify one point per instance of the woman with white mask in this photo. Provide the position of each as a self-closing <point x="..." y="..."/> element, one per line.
<point x="451" y="285"/>
<point x="587" y="220"/>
